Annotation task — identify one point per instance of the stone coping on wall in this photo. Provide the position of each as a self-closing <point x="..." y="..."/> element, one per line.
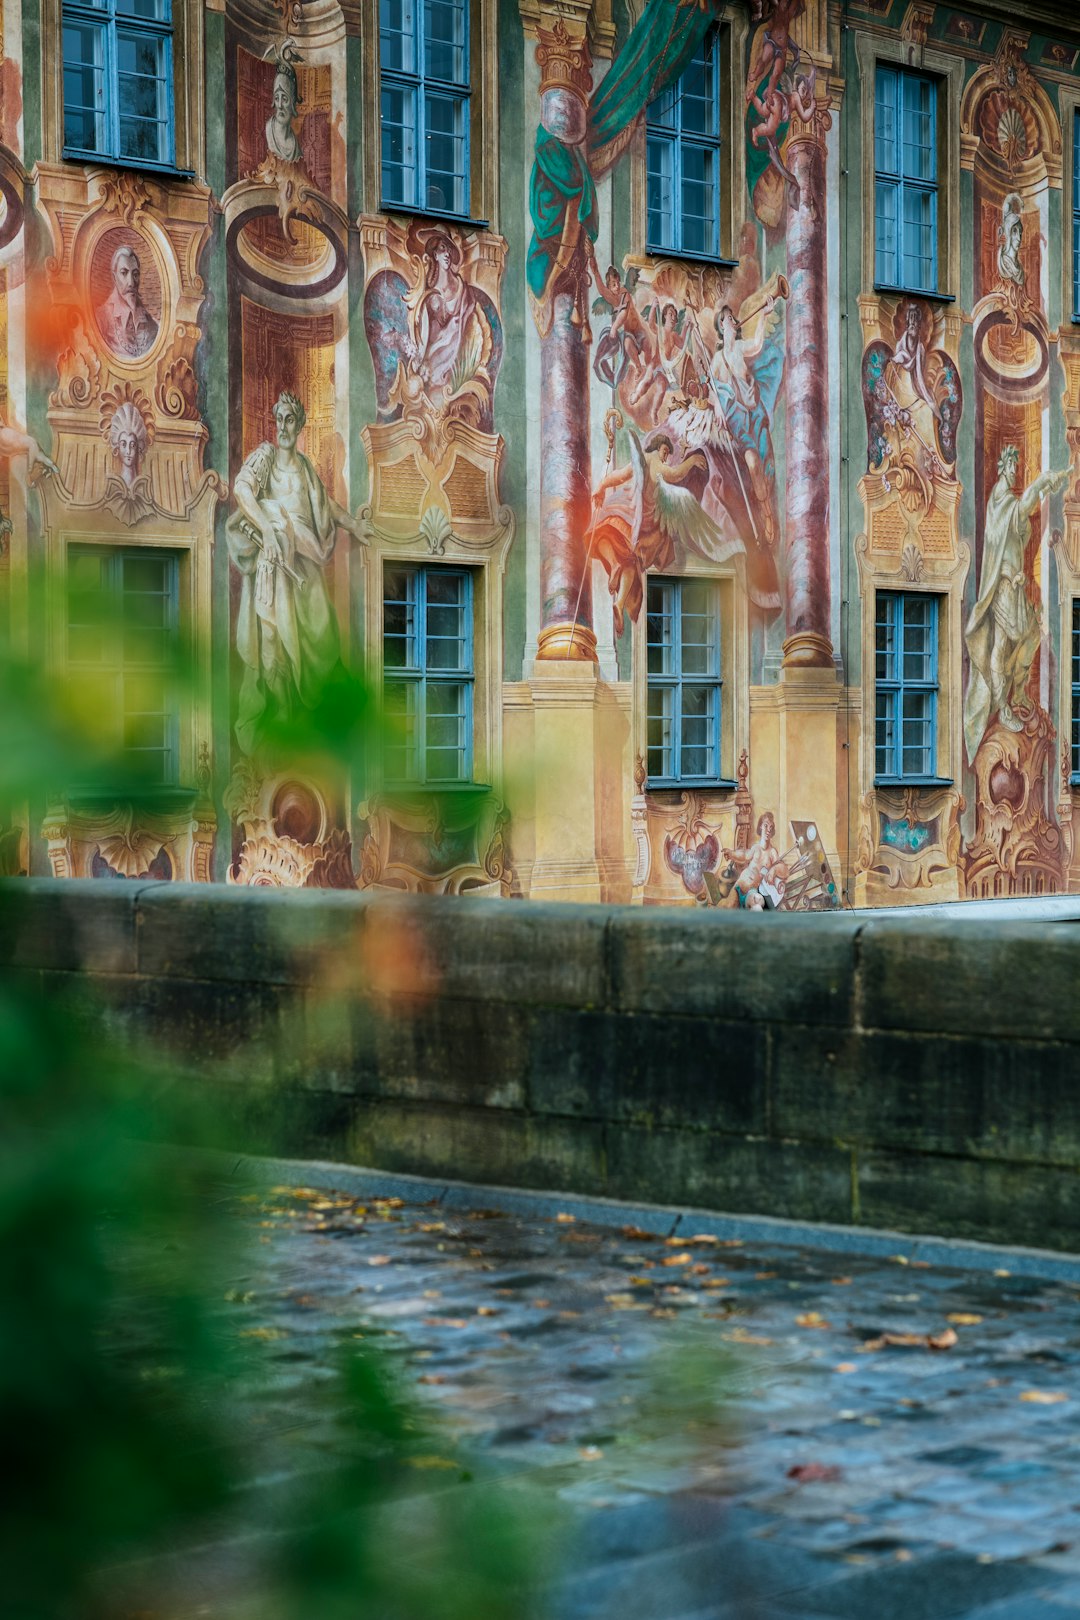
<point x="888" y="1070"/>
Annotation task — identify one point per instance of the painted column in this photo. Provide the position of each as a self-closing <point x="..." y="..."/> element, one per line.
<point x="807" y="590"/>
<point x="562" y="317"/>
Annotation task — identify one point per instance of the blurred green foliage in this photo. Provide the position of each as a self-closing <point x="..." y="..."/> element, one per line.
<point x="119" y="1374"/>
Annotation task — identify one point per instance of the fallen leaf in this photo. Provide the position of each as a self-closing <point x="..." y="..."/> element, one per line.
<point x="590" y="1453"/>
<point x="486" y="1310"/>
<point x="270" y="1333"/>
<point x="432" y="1226"/>
<point x="909" y="1341"/>
<point x="702" y="1237"/>
<point x="445" y="1321"/>
<point x="764" y="1276"/>
<point x="811" y="1319"/>
<point x="540" y="1304"/>
<point x="566" y="1218"/>
<point x="814" y="1473"/>
<point x="431" y="1462"/>
<point x="683" y="1259"/>
<point x="431" y="1378"/>
<point x="841" y="1282"/>
<point x="741" y="1336"/>
<point x="964" y="1318"/>
<point x="378" y="1260"/>
<point x="717" y="1282"/>
<point x="1044" y="1397"/>
<point x="638" y="1234"/>
<point x="1002" y="1273"/>
<point x="845" y="1367"/>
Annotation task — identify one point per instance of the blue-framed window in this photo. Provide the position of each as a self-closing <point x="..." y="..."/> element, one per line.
<point x="682" y="143"/>
<point x="425" y="94"/>
<point x="118" y="81"/>
<point x="1075" y="713"/>
<point x="905" y="180"/>
<point x="1076" y="216"/>
<point x="906" y="687"/>
<point x="428" y="673"/>
<point x="123" y="645"/>
<point x="684" y="681"/>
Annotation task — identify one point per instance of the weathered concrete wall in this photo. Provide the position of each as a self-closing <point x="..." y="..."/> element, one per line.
<point x="898" y="1071"/>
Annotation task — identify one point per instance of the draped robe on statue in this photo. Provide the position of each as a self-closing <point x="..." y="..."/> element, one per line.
<point x="286" y="632"/>
<point x="1003" y="632"/>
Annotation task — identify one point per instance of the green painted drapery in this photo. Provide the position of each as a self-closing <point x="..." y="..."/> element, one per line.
<point x="564" y="177"/>
<point x="560" y="180"/>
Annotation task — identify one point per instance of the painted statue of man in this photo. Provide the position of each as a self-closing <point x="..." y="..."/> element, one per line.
<point x="280" y="538"/>
<point x="1003" y="632"/>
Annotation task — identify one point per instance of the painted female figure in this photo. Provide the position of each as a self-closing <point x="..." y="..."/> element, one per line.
<point x="449" y="337"/>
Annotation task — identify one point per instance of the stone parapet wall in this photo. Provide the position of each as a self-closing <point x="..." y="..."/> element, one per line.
<point x="899" y="1071"/>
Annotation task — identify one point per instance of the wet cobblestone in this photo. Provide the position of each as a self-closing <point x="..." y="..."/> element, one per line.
<point x="722" y="1427"/>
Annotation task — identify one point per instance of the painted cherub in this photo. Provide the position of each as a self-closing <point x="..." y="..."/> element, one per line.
<point x="671" y="335"/>
<point x="627" y="350"/>
<point x="643" y="512"/>
<point x="760" y="883"/>
<point x="775" y="106"/>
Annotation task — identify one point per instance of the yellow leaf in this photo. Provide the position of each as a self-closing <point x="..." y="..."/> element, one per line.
<point x="1044" y="1397"/>
<point x="486" y="1310"/>
<point x="845" y="1367"/>
<point x="683" y="1259"/>
<point x="566" y="1218"/>
<point x="964" y="1318"/>
<point x="812" y="1319"/>
<point x="741" y="1336"/>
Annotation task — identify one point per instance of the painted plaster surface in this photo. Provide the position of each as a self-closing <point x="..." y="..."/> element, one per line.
<point x="530" y="394"/>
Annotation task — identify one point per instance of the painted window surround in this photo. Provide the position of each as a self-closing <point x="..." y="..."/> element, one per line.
<point x="675" y="680"/>
<point x="899" y="686"/>
<point x="734" y="28"/>
<point x="193" y="615"/>
<point x="1073" y="733"/>
<point x="411" y="80"/>
<point x="189" y="91"/>
<point x="894" y="89"/>
<point x="483" y="115"/>
<point x="667" y="232"/>
<point x="486" y="563"/>
<point x="109" y="22"/>
<point x="121" y="672"/>
<point x="1069" y="107"/>
<point x="948" y="70"/>
<point x="730" y="579"/>
<point x="424" y="676"/>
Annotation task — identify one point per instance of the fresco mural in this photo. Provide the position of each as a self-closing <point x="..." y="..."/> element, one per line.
<point x="289" y="388"/>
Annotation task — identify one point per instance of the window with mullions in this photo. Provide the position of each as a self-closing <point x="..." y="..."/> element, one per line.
<point x="1075" y="739"/>
<point x="905" y="180"/>
<point x="906" y="695"/>
<point x="425" y="90"/>
<point x="428" y="674"/>
<point x="682" y="141"/>
<point x="122" y="646"/>
<point x="684" y="681"/>
<point x="118" y="80"/>
<point x="1076" y="217"/>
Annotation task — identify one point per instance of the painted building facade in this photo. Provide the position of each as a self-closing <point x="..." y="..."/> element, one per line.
<point x="673" y="409"/>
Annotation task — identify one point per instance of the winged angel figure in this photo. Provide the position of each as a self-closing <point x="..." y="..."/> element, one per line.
<point x="645" y="512"/>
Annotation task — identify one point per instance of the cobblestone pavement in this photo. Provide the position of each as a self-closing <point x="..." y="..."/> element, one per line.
<point x="892" y="1436"/>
